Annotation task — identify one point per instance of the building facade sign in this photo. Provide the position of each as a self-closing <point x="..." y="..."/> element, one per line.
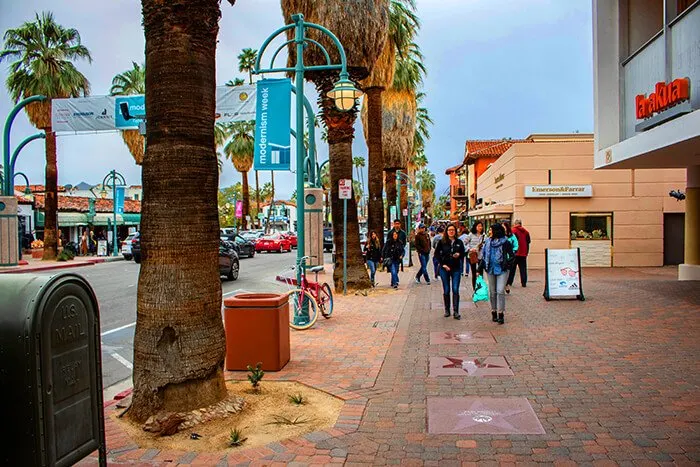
<point x="667" y="102"/>
<point x="558" y="191"/>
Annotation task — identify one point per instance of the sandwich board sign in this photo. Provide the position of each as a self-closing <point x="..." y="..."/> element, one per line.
<point x="563" y="274"/>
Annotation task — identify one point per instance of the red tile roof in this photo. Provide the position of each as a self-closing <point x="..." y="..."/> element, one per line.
<point x="489" y="147"/>
<point x="81" y="204"/>
<point x="36" y="188"/>
<point x="453" y="169"/>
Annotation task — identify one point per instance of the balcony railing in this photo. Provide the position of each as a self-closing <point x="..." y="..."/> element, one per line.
<point x="458" y="191"/>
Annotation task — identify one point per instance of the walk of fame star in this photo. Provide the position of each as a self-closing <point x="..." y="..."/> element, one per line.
<point x="457" y="366"/>
<point x="482" y="415"/>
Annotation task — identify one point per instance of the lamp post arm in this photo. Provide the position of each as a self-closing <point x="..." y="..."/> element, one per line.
<point x="6" y="138"/>
<point x="272" y="37"/>
<point x="10" y="171"/>
<point x="341" y="50"/>
<point x="26" y="179"/>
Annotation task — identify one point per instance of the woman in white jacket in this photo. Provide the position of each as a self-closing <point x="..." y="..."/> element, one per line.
<point x="474" y="244"/>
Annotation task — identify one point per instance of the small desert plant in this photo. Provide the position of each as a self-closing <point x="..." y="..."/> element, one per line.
<point x="297" y="399"/>
<point x="65" y="255"/>
<point x="256" y="375"/>
<point x="236" y="438"/>
<point x="281" y="420"/>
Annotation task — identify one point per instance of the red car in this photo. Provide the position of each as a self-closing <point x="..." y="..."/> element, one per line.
<point x="291" y="236"/>
<point x="274" y="242"/>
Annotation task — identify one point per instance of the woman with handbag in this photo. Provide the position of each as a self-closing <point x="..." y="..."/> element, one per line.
<point x="450" y="255"/>
<point x="373" y="255"/>
<point x="393" y="256"/>
<point x="474" y="244"/>
<point x="495" y="255"/>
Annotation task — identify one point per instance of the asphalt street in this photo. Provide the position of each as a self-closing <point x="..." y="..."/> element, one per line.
<point x="115" y="285"/>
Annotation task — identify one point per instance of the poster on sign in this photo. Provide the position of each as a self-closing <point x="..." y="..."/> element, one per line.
<point x="563" y="274"/>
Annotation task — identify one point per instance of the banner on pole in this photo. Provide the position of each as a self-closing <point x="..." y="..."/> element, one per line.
<point x="119" y="194"/>
<point x="103" y="113"/>
<point x="273" y="125"/>
<point x="239" y="209"/>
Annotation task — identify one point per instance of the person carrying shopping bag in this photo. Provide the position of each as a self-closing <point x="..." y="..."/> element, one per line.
<point x="474" y="244"/>
<point x="450" y="255"/>
<point x="497" y="257"/>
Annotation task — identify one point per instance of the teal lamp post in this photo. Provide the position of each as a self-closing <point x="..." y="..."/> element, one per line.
<point x="115" y="179"/>
<point x="344" y="94"/>
<point x="7" y="164"/>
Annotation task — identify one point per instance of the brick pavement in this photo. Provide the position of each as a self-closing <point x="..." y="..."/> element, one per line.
<point x="613" y="380"/>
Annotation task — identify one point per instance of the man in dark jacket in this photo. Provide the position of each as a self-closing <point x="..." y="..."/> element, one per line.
<point x="422" y="243"/>
<point x="523" y="237"/>
<point x="402" y="236"/>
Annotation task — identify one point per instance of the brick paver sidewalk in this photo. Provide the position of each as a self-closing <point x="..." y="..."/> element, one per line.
<point x="612" y="380"/>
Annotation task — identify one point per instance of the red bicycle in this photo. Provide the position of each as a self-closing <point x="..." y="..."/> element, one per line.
<point x="307" y="298"/>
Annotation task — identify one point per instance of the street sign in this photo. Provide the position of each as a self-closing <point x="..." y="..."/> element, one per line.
<point x="344" y="188"/>
<point x="273" y="122"/>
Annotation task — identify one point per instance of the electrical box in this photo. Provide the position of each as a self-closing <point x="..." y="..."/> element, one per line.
<point x="313" y="221"/>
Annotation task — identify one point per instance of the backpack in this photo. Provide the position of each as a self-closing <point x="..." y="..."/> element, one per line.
<point x="508" y="255"/>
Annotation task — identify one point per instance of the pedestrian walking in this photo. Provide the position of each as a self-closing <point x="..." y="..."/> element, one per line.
<point x="373" y="255"/>
<point x="463" y="232"/>
<point x="402" y="235"/>
<point x="450" y="254"/>
<point x="514" y="244"/>
<point x="436" y="240"/>
<point x="84" y="243"/>
<point x="423" y="245"/>
<point x="521" y="253"/>
<point x="474" y="244"/>
<point x="393" y="254"/>
<point x="497" y="257"/>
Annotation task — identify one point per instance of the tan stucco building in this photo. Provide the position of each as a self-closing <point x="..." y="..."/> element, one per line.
<point x="617" y="217"/>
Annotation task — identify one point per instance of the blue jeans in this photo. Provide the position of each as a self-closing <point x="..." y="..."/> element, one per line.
<point x="395" y="265"/>
<point x="423" y="271"/>
<point x="372" y="265"/>
<point x="454" y="277"/>
<point x="436" y="266"/>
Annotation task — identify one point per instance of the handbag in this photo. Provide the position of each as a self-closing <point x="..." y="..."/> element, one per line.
<point x="473" y="256"/>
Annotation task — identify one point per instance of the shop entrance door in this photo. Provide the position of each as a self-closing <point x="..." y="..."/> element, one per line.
<point x="674" y="237"/>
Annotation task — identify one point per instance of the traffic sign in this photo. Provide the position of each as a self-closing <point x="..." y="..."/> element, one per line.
<point x="344" y="188"/>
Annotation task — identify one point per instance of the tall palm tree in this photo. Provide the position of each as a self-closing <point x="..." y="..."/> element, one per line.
<point x="427" y="186"/>
<point x="361" y="26"/>
<point x="246" y="62"/>
<point x="179" y="345"/>
<point x="240" y="150"/>
<point x="235" y="82"/>
<point x="359" y="162"/>
<point x="132" y="81"/>
<point x="420" y="160"/>
<point x="326" y="185"/>
<point x="43" y="53"/>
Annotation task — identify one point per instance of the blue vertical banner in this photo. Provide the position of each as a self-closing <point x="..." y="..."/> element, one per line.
<point x="119" y="198"/>
<point x="273" y="124"/>
<point x="137" y="111"/>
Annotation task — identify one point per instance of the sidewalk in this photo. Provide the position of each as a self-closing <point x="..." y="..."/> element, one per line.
<point x="37" y="265"/>
<point x="612" y="380"/>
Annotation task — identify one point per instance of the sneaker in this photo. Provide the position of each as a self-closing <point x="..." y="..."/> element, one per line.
<point x="417" y="280"/>
<point x="396" y="286"/>
<point x="427" y="282"/>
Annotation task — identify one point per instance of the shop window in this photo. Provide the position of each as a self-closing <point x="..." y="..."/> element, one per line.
<point x="591" y="226"/>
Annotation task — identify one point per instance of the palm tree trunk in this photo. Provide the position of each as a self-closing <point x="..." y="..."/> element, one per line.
<point x="51" y="199"/>
<point x="246" y="201"/>
<point x="375" y="163"/>
<point x="390" y="177"/>
<point x="340" y="136"/>
<point x="179" y="344"/>
<point x="257" y="195"/>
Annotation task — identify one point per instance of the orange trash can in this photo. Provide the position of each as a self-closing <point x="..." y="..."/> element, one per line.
<point x="257" y="330"/>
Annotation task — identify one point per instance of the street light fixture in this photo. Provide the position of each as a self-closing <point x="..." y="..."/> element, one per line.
<point x="344" y="93"/>
<point x="116" y="179"/>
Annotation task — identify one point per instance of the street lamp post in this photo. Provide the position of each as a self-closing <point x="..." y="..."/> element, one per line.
<point x="344" y="94"/>
<point x="114" y="177"/>
<point x="7" y="189"/>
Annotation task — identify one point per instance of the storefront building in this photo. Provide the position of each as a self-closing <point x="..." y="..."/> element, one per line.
<point x="616" y="217"/>
<point x="646" y="60"/>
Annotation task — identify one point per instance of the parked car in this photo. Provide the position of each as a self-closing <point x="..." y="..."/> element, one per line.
<point x="226" y="231"/>
<point x="328" y="240"/>
<point x="126" y="245"/>
<point x="136" y="248"/>
<point x="243" y="247"/>
<point x="275" y="242"/>
<point x="253" y="235"/>
<point x="292" y="237"/>
<point x="228" y="261"/>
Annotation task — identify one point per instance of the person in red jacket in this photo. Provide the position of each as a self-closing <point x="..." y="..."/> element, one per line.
<point x="523" y="237"/>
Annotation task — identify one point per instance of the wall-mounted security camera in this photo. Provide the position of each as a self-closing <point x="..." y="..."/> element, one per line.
<point x="678" y="194"/>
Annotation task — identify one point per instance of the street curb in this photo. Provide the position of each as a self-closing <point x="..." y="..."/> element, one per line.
<point x="66" y="265"/>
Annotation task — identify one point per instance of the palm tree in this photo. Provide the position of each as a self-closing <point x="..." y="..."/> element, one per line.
<point x="359" y="162"/>
<point x="240" y="150"/>
<point x="420" y="160"/>
<point x="361" y="26"/>
<point x="326" y="185"/>
<point x="427" y="186"/>
<point x="403" y="26"/>
<point x="235" y="82"/>
<point x="132" y="81"/>
<point x="44" y="52"/>
<point x="246" y="62"/>
<point x="357" y="191"/>
<point x="179" y="345"/>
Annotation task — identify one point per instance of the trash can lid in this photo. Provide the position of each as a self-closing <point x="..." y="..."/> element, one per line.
<point x="256" y="300"/>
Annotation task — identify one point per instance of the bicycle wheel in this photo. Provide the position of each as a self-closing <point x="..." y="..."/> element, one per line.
<point x="325" y="300"/>
<point x="303" y="309"/>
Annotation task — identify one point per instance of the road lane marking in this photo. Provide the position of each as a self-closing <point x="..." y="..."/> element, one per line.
<point x="122" y="360"/>
<point x="120" y="328"/>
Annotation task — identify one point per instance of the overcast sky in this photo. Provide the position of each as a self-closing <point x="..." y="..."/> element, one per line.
<point x="496" y="68"/>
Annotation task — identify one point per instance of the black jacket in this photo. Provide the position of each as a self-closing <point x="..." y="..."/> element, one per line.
<point x="374" y="253"/>
<point x="445" y="250"/>
<point x="402" y="236"/>
<point x="393" y="249"/>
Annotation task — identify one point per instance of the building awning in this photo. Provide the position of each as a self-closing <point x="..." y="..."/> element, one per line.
<point x="102" y="218"/>
<point x="65" y="219"/>
<point x="493" y="210"/>
<point x="132" y="218"/>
